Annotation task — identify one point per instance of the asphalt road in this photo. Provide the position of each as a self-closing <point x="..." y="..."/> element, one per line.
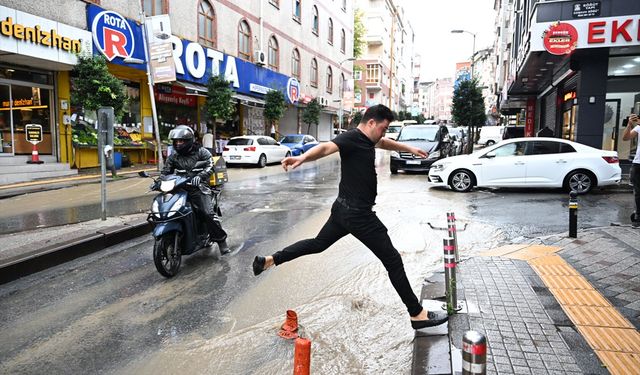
<point x="111" y="312"/>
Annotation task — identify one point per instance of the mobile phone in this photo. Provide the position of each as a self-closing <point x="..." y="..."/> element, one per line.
<point x="636" y="108"/>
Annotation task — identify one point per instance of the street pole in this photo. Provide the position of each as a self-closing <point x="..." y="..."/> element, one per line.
<point x="473" y="54"/>
<point x="340" y="110"/>
<point x="102" y="135"/>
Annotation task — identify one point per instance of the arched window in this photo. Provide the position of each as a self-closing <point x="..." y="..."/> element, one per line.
<point x="329" y="80"/>
<point x="295" y="64"/>
<point x="274" y="57"/>
<point x="316" y="20"/>
<point x="343" y="41"/>
<point x="297" y="6"/>
<point x="244" y="40"/>
<point x="154" y="7"/>
<point x="314" y="73"/>
<point x="330" y="34"/>
<point x="206" y="24"/>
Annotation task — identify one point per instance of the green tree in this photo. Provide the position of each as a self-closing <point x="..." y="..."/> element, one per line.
<point x="468" y="108"/>
<point x="218" y="105"/>
<point x="274" y="107"/>
<point x="419" y="118"/>
<point x="358" y="33"/>
<point x="94" y="86"/>
<point x="355" y="120"/>
<point x="311" y="114"/>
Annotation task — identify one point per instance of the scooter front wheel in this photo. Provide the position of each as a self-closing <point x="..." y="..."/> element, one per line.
<point x="166" y="254"/>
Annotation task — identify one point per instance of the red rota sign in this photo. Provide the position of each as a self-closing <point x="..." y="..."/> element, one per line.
<point x="560" y="39"/>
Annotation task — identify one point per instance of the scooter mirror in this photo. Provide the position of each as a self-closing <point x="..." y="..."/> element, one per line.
<point x="143" y="174"/>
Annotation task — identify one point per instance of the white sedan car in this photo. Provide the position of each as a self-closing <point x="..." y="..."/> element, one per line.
<point x="254" y="149"/>
<point x="529" y="162"/>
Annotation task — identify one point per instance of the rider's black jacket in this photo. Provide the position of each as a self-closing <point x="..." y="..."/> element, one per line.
<point x="186" y="162"/>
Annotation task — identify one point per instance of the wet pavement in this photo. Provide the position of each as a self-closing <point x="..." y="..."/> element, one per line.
<point x="112" y="312"/>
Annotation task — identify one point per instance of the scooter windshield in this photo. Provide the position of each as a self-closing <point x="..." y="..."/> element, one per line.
<point x="167" y="185"/>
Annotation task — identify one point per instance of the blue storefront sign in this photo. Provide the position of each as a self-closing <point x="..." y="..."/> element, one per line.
<point x="118" y="38"/>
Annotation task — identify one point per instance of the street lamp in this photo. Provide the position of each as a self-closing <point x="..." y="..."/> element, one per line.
<point x="340" y="114"/>
<point x="474" y="45"/>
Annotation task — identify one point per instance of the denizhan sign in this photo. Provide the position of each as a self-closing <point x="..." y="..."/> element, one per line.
<point x="118" y="38"/>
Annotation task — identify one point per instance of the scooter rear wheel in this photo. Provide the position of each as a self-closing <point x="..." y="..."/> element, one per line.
<point x="166" y="254"/>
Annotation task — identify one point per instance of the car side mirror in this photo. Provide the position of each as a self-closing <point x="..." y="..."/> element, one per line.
<point x="143" y="174"/>
<point x="490" y="155"/>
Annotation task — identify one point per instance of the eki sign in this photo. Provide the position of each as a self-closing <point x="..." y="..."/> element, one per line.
<point x="113" y="35"/>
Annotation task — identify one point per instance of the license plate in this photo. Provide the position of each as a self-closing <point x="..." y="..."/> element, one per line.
<point x="413" y="162"/>
<point x="235" y="157"/>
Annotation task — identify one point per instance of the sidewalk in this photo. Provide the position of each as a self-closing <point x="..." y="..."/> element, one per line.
<point x="556" y="305"/>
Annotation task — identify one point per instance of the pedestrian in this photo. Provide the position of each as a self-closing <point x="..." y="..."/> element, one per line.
<point x="273" y="131"/>
<point x="633" y="131"/>
<point x="207" y="141"/>
<point x="352" y="213"/>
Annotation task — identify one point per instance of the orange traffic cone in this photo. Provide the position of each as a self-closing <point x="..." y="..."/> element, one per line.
<point x="289" y="329"/>
<point x="34" y="156"/>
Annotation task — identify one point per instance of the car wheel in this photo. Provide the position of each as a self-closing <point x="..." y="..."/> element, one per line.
<point x="262" y="162"/>
<point x="580" y="181"/>
<point x="461" y="180"/>
<point x="489" y="143"/>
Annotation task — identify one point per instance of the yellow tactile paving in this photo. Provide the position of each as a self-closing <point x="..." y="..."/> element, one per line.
<point x="566" y="282"/>
<point x="612" y="339"/>
<point x="580" y="297"/>
<point x="619" y="363"/>
<point x="502" y="250"/>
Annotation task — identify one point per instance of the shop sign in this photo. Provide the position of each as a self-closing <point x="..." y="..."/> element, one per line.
<point x="570" y="95"/>
<point x="175" y="98"/>
<point x="258" y="88"/>
<point x="116" y="37"/>
<point x="529" y="119"/>
<point x="293" y="90"/>
<point x="621" y="31"/>
<point x="585" y="10"/>
<point x="33" y="133"/>
<point x="25" y="34"/>
<point x="560" y="39"/>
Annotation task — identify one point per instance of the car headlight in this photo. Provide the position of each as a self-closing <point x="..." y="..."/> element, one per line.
<point x="439" y="167"/>
<point x="176" y="207"/>
<point x="434" y="155"/>
<point x="395" y="154"/>
<point x="155" y="210"/>
<point x="167" y="186"/>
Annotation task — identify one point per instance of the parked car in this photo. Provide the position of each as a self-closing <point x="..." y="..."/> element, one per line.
<point x="254" y="149"/>
<point x="427" y="137"/>
<point x="490" y="135"/>
<point x="299" y="143"/>
<point x="460" y="139"/>
<point x="394" y="130"/>
<point x="530" y="162"/>
<point x="513" y="132"/>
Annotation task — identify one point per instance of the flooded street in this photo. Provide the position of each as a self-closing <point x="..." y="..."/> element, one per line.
<point x="111" y="312"/>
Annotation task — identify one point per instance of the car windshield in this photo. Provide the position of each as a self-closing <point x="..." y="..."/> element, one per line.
<point x="394" y="129"/>
<point x="240" y="142"/>
<point x="418" y="133"/>
<point x="292" y="139"/>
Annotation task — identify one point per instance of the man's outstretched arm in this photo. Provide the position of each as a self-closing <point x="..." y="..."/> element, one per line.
<point x="390" y="144"/>
<point x="317" y="152"/>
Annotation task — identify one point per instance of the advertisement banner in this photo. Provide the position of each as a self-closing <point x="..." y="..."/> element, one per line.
<point x="163" y="68"/>
<point x="463" y="73"/>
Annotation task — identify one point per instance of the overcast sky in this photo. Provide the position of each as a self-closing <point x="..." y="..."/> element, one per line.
<point x="432" y="22"/>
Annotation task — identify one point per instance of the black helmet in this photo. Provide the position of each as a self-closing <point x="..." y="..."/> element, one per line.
<point x="185" y="133"/>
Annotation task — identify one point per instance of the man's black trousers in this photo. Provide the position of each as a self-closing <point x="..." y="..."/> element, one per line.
<point x="364" y="225"/>
<point x="203" y="207"/>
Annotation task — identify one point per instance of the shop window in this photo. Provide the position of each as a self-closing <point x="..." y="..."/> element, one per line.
<point x="207" y="25"/>
<point x="155" y="7"/>
<point x="329" y="80"/>
<point x="244" y="40"/>
<point x="295" y="64"/>
<point x="316" y="21"/>
<point x="343" y="41"/>
<point x="273" y="54"/>
<point x="297" y="10"/>
<point x="314" y="73"/>
<point x="330" y="34"/>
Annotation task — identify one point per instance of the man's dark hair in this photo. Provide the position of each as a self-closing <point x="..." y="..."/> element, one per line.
<point x="378" y="113"/>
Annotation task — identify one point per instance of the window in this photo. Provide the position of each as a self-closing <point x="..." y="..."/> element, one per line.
<point x="511" y="149"/>
<point x="330" y="35"/>
<point x="206" y="24"/>
<point x="273" y="54"/>
<point x="295" y="64"/>
<point x="296" y="9"/>
<point x="548" y="147"/>
<point x="357" y="75"/>
<point x="329" y="80"/>
<point x="344" y="5"/>
<point x="314" y="73"/>
<point x="154" y="7"/>
<point x="316" y="21"/>
<point x="244" y="38"/>
<point x="343" y="41"/>
<point x="373" y="73"/>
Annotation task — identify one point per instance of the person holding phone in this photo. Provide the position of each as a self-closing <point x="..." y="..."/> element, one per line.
<point x="633" y="131"/>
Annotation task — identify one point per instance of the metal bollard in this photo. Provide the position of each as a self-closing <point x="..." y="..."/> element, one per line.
<point x="450" y="275"/>
<point x="453" y="233"/>
<point x="474" y="353"/>
<point x="573" y="214"/>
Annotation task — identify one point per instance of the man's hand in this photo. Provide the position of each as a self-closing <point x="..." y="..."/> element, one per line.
<point x="633" y="119"/>
<point x="420" y="152"/>
<point x="291" y="161"/>
<point x="196" y="180"/>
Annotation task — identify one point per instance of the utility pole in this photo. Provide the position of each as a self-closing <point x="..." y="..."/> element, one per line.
<point x="394" y="14"/>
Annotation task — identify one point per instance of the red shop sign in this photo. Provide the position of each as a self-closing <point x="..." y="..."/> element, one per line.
<point x="175" y="98"/>
<point x="560" y="39"/>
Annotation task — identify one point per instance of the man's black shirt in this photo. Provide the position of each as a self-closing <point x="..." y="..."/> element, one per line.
<point x="358" y="180"/>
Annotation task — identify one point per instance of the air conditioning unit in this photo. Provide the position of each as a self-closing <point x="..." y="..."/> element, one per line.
<point x="260" y="57"/>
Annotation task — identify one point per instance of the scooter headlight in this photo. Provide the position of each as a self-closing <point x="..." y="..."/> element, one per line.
<point x="167" y="186"/>
<point x="155" y="210"/>
<point x="175" y="207"/>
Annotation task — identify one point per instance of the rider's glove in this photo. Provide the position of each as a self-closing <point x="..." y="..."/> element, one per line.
<point x="154" y="186"/>
<point x="196" y="180"/>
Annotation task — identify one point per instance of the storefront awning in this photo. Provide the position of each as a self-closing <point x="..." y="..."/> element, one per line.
<point x="193" y="89"/>
<point x="248" y="100"/>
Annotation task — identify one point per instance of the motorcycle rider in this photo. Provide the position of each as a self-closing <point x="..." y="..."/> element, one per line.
<point x="186" y="154"/>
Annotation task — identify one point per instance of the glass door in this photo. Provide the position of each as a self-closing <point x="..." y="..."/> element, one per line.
<point x="611" y="121"/>
<point x="6" y="121"/>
